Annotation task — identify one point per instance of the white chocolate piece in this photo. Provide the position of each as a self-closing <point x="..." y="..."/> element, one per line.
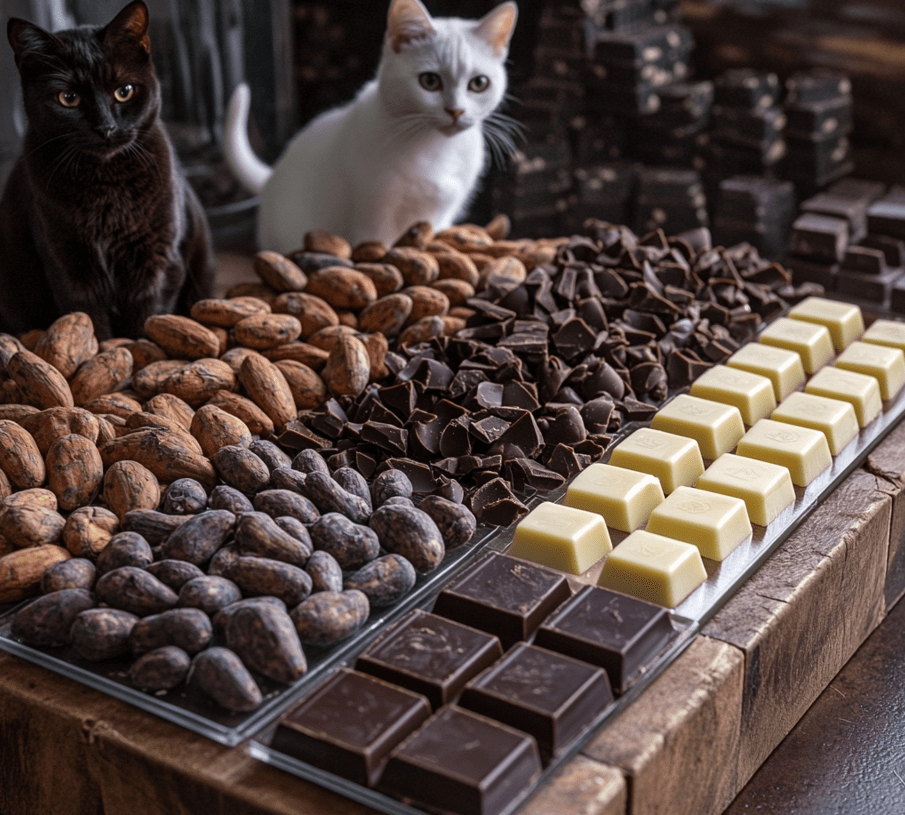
<point x="654" y="568"/>
<point x="714" y="426"/>
<point x="805" y="452"/>
<point x="781" y="366"/>
<point x="834" y="418"/>
<point x="886" y="332"/>
<point x="751" y="393"/>
<point x="765" y="488"/>
<point x="860" y="390"/>
<point x="811" y="341"/>
<point x="571" y="540"/>
<point x="625" y="498"/>
<point x="715" y="523"/>
<point x="844" y="320"/>
<point x="885" y="364"/>
<point x="674" y="460"/>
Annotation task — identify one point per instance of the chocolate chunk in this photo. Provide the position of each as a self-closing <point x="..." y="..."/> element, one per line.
<point x="494" y="503"/>
<point x="385" y="436"/>
<point x="430" y="655"/>
<point x="616" y="632"/>
<point x="349" y="725"/>
<point x="462" y="762"/>
<point x="547" y="695"/>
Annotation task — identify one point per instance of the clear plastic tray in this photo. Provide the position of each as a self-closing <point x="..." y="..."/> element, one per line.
<point x="188" y="708"/>
<point x="723" y="579"/>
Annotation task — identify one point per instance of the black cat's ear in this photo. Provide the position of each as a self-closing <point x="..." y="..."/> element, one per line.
<point x="408" y="21"/>
<point x="130" y="25"/>
<point x="26" y="38"/>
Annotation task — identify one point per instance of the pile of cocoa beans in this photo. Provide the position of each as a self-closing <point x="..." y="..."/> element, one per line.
<point x="140" y="481"/>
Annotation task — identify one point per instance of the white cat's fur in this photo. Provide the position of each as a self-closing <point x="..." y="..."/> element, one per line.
<point x="398" y="153"/>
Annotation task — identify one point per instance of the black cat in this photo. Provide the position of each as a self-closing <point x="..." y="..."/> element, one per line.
<point x="96" y="216"/>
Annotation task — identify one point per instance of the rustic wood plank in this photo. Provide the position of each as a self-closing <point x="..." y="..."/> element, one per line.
<point x="580" y="787"/>
<point x="804" y="613"/>
<point x="887" y="462"/>
<point x="677" y="742"/>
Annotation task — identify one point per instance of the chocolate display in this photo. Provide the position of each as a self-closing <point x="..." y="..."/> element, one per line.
<point x="430" y="655"/>
<point x="349" y="725"/>
<point x="550" y="696"/>
<point x="503" y="596"/>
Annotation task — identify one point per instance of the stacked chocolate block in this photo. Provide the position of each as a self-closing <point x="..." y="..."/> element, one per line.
<point x="818" y="109"/>
<point x="746" y="132"/>
<point x="535" y="189"/>
<point x="849" y="239"/>
<point x="754" y="209"/>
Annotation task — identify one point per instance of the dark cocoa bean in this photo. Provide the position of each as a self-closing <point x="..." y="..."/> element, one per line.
<point x="185" y="496"/>
<point x="390" y="483"/>
<point x="265" y="639"/>
<point x="229" y="498"/>
<point x="220" y="674"/>
<point x="174" y="573"/>
<point x="124" y="549"/>
<point x="161" y="669"/>
<point x="46" y="622"/>
<point x="409" y="532"/>
<point x="188" y="628"/>
<point x="75" y="573"/>
<point x="456" y="522"/>
<point x="328" y="617"/>
<point x="209" y="592"/>
<point x="257" y="576"/>
<point x="384" y="580"/>
<point x="277" y="503"/>
<point x="200" y="537"/>
<point x="350" y="543"/>
<point x="102" y="633"/>
<point x="259" y="535"/>
<point x="329" y="496"/>
<point x="241" y="469"/>
<point x="134" y="590"/>
<point x="326" y="573"/>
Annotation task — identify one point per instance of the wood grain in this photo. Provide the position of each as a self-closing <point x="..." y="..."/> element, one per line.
<point x="888" y="464"/>
<point x="677" y="742"/>
<point x="805" y="612"/>
<point x="580" y="786"/>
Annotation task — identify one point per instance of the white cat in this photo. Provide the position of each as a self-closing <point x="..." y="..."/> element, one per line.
<point x="410" y="147"/>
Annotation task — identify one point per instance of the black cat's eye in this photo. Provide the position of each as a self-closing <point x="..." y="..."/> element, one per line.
<point x="124" y="94"/>
<point x="69" y="99"/>
<point x="479" y="83"/>
<point x="430" y="81"/>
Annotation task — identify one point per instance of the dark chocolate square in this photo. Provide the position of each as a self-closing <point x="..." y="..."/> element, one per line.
<point x="548" y="695"/>
<point x="613" y="631"/>
<point x="429" y="654"/>
<point x="349" y="725"/>
<point x="503" y="595"/>
<point x="462" y="762"/>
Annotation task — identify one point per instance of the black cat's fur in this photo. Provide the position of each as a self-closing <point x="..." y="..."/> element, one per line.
<point x="96" y="216"/>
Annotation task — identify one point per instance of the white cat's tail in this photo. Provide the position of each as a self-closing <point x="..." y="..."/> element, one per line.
<point x="237" y="150"/>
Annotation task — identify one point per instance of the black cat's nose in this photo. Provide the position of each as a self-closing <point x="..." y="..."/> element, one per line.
<point x="104" y="131"/>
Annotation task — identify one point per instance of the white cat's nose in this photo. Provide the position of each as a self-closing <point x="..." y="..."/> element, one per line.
<point x="455" y="113"/>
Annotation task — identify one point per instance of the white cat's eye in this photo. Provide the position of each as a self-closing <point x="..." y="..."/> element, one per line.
<point x="430" y="81"/>
<point x="124" y="94"/>
<point x="69" y="99"/>
<point x="479" y="83"/>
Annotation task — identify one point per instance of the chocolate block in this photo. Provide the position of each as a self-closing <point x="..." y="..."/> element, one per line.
<point x="613" y="631"/>
<point x="819" y="120"/>
<point x="431" y="655"/>
<point x="876" y="288"/>
<point x="859" y="188"/>
<point x="547" y="695"/>
<point x="746" y="88"/>
<point x="886" y="217"/>
<point x="349" y="724"/>
<point x="820" y="237"/>
<point x="853" y="210"/>
<point x="864" y="260"/>
<point x="807" y="87"/>
<point x="811" y="271"/>
<point x="462" y="763"/>
<point x="758" y="128"/>
<point x="504" y="596"/>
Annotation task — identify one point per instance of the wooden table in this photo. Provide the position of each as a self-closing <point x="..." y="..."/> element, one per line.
<point x="690" y="743"/>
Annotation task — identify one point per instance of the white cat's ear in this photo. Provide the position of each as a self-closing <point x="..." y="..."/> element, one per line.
<point x="408" y="21"/>
<point x="496" y="27"/>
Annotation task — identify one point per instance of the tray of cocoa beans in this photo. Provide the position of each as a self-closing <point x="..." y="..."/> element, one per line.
<point x="208" y="520"/>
